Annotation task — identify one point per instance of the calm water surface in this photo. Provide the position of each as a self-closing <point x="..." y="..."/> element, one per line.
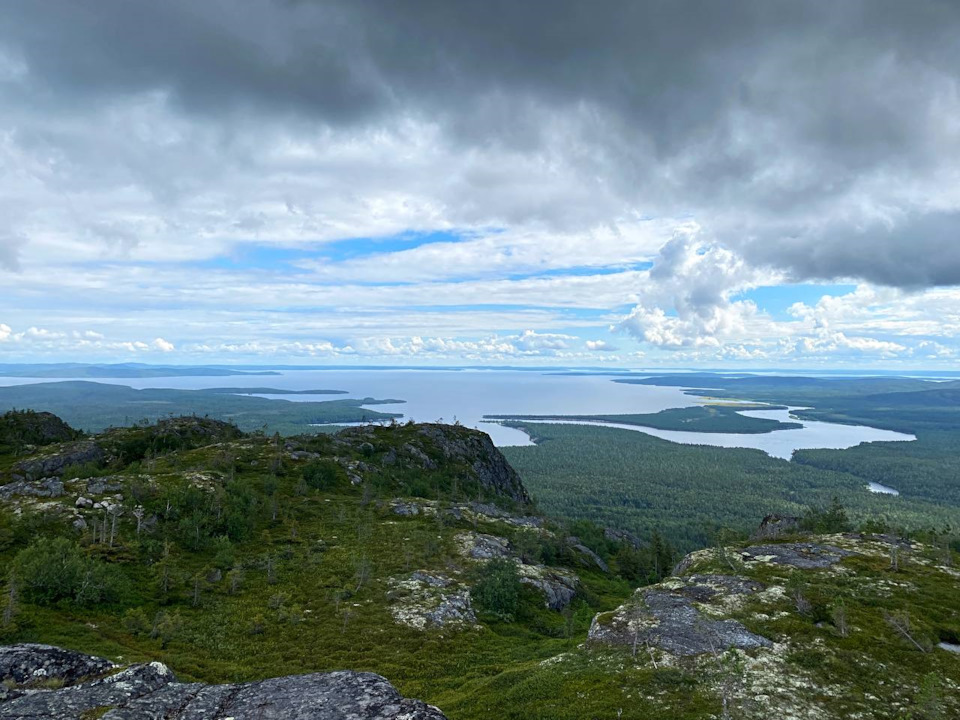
<point x="468" y="395"/>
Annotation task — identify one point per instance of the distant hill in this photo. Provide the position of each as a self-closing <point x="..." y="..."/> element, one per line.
<point x="123" y="370"/>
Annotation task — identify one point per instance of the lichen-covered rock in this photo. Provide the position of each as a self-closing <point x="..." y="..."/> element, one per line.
<point x="30" y="662"/>
<point x="480" y="546"/>
<point x="670" y="616"/>
<point x="151" y="692"/>
<point x="806" y="555"/>
<point x="623" y="536"/>
<point x="773" y="526"/>
<point x="54" y="463"/>
<point x="559" y="587"/>
<point x="47" y="487"/>
<point x="430" y="600"/>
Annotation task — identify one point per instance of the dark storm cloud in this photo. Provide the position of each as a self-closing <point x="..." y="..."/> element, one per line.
<point x="809" y="136"/>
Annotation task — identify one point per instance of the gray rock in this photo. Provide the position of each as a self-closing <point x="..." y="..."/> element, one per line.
<point x="774" y="526"/>
<point x="614" y="535"/>
<point x="420" y="457"/>
<point x="806" y="556"/>
<point x="101" y="486"/>
<point x="29" y="661"/>
<point x="665" y="617"/>
<point x="53" y="464"/>
<point x="487" y="463"/>
<point x="151" y="692"/>
<point x="50" y="487"/>
<point x="479" y="546"/>
<point x="586" y="556"/>
<point x="83" y="502"/>
<point x="405" y="509"/>
<point x="559" y="587"/>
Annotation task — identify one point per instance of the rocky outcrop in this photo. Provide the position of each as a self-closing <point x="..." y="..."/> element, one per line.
<point x="54" y="463"/>
<point x="558" y="586"/>
<point x="670" y="616"/>
<point x="623" y="536"/>
<point x="806" y="555"/>
<point x="45" y="488"/>
<point x="151" y="692"/>
<point x="585" y="556"/>
<point x="774" y="526"/>
<point x="475" y="448"/>
<point x="26" y="427"/>
<point x="430" y="600"/>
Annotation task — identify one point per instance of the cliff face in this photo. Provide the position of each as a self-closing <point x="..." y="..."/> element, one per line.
<point x="466" y="454"/>
<point x="95" y="687"/>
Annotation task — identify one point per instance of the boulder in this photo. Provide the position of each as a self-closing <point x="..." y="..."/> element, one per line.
<point x="666" y="616"/>
<point x="151" y="691"/>
<point x="559" y="587"/>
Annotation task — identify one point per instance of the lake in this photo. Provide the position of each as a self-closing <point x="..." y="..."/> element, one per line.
<point x="467" y="395"/>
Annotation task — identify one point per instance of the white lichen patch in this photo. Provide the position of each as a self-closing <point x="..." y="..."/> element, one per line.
<point x="430" y="600"/>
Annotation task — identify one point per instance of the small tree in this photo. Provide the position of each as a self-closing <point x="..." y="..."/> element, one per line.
<point x="135" y="622"/>
<point x="166" y="627"/>
<point x="56" y="569"/>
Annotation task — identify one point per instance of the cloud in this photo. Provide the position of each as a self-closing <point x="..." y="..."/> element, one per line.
<point x="5" y="332"/>
<point x="694" y="282"/>
<point x="10" y="246"/>
<point x="163" y="346"/>
<point x="600" y="346"/>
<point x="158" y="160"/>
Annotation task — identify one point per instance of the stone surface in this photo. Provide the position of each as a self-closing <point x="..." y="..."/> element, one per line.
<point x="623" y="536"/>
<point x="48" y="487"/>
<point x="151" y="692"/>
<point x="558" y="586"/>
<point x="774" y="526"/>
<point x="430" y="600"/>
<point x="488" y="464"/>
<point x="586" y="556"/>
<point x="480" y="546"/>
<point x="667" y="616"/>
<point x="54" y="463"/>
<point x="806" y="556"/>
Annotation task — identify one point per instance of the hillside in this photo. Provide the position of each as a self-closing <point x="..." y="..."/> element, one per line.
<point x="414" y="552"/>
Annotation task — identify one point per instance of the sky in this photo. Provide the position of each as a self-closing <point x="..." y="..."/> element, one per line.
<point x="629" y="183"/>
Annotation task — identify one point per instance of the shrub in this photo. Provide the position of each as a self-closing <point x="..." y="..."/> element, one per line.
<point x="497" y="589"/>
<point x="322" y="474"/>
<point x="135" y="622"/>
<point x="166" y="626"/>
<point x="54" y="570"/>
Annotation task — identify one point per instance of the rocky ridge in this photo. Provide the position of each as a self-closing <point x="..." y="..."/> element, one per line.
<point x="84" y="686"/>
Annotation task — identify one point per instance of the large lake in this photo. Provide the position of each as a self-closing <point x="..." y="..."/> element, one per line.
<point x="468" y="395"/>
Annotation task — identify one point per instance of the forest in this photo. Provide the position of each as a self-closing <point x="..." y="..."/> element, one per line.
<point x="702" y="418"/>
<point x="92" y="406"/>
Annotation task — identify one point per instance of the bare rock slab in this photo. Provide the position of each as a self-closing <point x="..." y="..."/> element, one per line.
<point x="151" y="692"/>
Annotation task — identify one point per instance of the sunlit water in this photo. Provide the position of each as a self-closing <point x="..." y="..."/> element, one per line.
<point x="468" y="395"/>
